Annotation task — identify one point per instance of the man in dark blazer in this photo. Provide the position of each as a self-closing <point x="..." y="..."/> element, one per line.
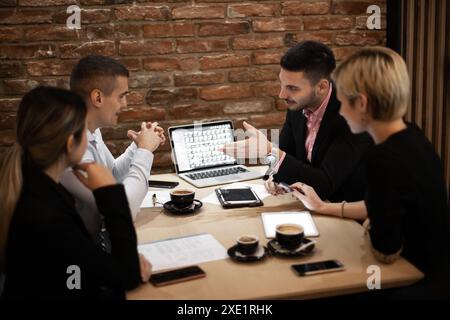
<point x="316" y="145"/>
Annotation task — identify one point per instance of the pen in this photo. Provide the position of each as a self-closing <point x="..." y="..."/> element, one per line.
<point x="154" y="200"/>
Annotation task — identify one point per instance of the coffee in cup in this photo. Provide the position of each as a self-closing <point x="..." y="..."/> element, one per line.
<point x="247" y="244"/>
<point x="182" y="198"/>
<point x="289" y="235"/>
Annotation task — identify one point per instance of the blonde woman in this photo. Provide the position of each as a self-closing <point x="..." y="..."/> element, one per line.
<point x="46" y="251"/>
<point x="406" y="198"/>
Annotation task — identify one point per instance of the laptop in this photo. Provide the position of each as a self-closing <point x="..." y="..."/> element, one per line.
<point x="197" y="161"/>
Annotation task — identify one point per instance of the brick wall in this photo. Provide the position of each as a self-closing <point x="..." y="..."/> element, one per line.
<point x="189" y="60"/>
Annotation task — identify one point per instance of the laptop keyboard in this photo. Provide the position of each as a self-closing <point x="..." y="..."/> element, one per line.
<point x="216" y="173"/>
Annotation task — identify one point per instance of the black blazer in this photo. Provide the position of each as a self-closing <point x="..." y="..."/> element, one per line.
<point x="336" y="171"/>
<point x="47" y="235"/>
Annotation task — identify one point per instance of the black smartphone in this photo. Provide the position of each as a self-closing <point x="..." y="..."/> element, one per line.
<point x="178" y="275"/>
<point x="162" y="184"/>
<point x="318" y="267"/>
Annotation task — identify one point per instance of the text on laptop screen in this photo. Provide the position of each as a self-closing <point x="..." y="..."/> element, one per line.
<point x="196" y="147"/>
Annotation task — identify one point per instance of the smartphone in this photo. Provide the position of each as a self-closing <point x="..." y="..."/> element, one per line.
<point x="162" y="184"/>
<point x="177" y="275"/>
<point x="318" y="267"/>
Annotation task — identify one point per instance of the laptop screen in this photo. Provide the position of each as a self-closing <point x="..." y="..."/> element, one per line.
<point x="195" y="146"/>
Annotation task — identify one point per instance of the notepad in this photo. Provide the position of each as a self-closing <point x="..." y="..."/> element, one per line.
<point x="303" y="218"/>
<point x="161" y="198"/>
<point x="183" y="251"/>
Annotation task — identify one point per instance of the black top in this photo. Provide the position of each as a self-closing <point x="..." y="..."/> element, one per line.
<point x="336" y="171"/>
<point x="47" y="235"/>
<point x="407" y="200"/>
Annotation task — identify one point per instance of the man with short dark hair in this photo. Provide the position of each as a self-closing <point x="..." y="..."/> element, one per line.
<point x="103" y="84"/>
<point x="316" y="145"/>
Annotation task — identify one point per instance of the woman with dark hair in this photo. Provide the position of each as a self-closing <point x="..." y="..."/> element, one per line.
<point x="46" y="251"/>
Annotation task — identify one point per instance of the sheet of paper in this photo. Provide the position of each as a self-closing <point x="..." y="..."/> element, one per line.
<point x="303" y="218"/>
<point x="185" y="251"/>
<point x="161" y="198"/>
<point x="259" y="189"/>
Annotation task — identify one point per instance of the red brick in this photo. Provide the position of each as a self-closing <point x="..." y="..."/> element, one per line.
<point x="11" y="70"/>
<point x="195" y="111"/>
<point x="7" y="137"/>
<point x="344" y="52"/>
<point x="27" y="51"/>
<point x="150" y="80"/>
<point x="169" y="96"/>
<point x="7" y="120"/>
<point x="188" y="46"/>
<point x="252" y="106"/>
<point x="128" y="31"/>
<point x="120" y="131"/>
<point x="253" y="74"/>
<point x="281" y="105"/>
<point x="9" y="104"/>
<point x="297" y="8"/>
<point x="252" y="10"/>
<point x="168" y="30"/>
<point x="277" y="24"/>
<point x="226" y="92"/>
<point x="324" y="37"/>
<point x="224" y="61"/>
<point x="141" y="47"/>
<point x="219" y="28"/>
<point x="136" y="97"/>
<point x="360" y="38"/>
<point x="50" y="67"/>
<point x="142" y="114"/>
<point x="89" y="16"/>
<point x="52" y="32"/>
<point x="162" y="159"/>
<point x="263" y="57"/>
<point x="105" y="48"/>
<point x="17" y="86"/>
<point x="8" y="3"/>
<point x="198" y="78"/>
<point x="25" y="16"/>
<point x="266" y="89"/>
<point x="273" y="120"/>
<point x="331" y="23"/>
<point x="355" y="7"/>
<point x="257" y="42"/>
<point x="132" y="12"/>
<point x="199" y="12"/>
<point x="169" y="64"/>
<point x="45" y="3"/>
<point x="131" y="64"/>
<point x="99" y="32"/>
<point x="10" y="34"/>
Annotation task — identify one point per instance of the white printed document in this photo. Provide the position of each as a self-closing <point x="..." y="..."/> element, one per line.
<point x="303" y="218"/>
<point x="158" y="197"/>
<point x="184" y="251"/>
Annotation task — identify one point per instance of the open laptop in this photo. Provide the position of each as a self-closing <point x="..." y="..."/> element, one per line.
<point x="197" y="161"/>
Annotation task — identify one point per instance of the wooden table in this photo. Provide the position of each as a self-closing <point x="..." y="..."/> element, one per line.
<point x="271" y="278"/>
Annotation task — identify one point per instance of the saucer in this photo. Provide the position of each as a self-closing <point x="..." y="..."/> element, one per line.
<point x="197" y="204"/>
<point x="304" y="249"/>
<point x="235" y="255"/>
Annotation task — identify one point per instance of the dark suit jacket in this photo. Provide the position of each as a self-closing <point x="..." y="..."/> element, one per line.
<point x="47" y="235"/>
<point x="336" y="171"/>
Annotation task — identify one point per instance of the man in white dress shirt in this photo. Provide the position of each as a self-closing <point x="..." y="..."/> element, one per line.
<point x="103" y="84"/>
